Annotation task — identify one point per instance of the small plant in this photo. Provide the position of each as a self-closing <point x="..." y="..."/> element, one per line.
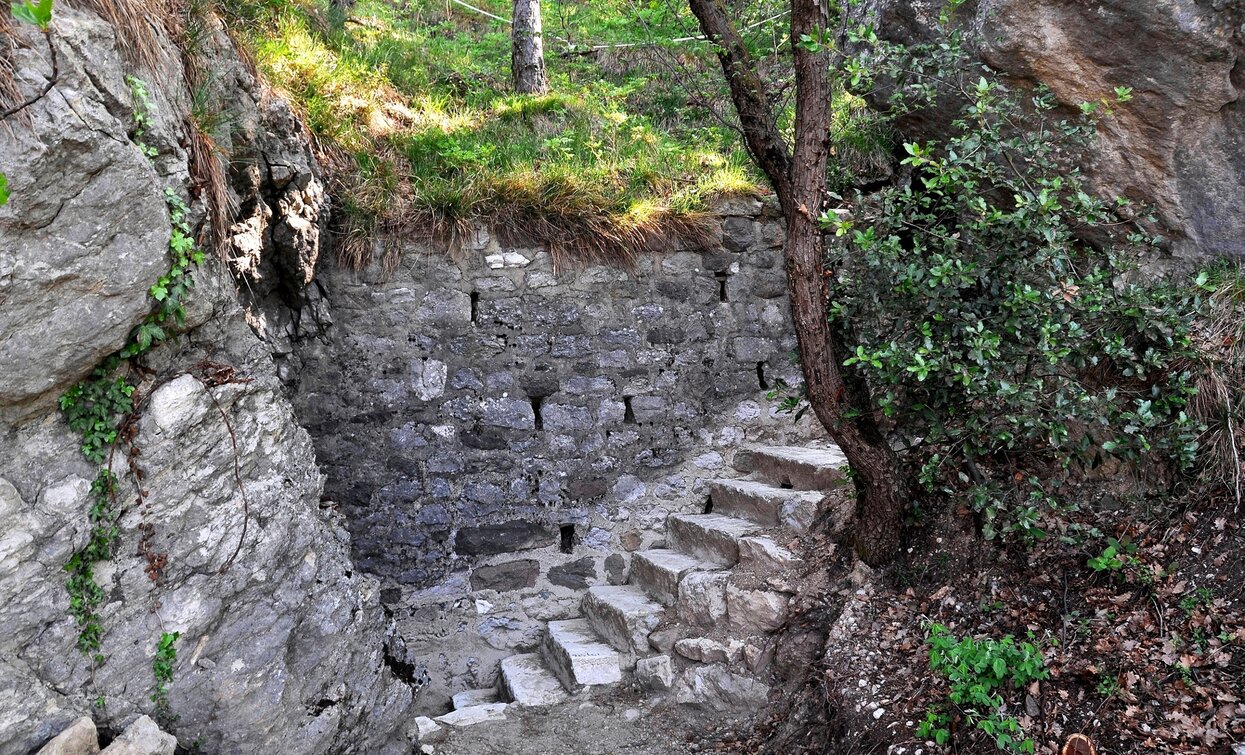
<point x="1108" y="684"/>
<point x="1115" y="557"/>
<point x="39" y="14"/>
<point x="142" y="115"/>
<point x="1200" y="598"/>
<point x="979" y="671"/>
<point x="4" y="190"/>
<point x="162" y="664"/>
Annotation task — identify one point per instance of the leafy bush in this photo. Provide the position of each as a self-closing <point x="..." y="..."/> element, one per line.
<point x="979" y="672"/>
<point x="993" y="306"/>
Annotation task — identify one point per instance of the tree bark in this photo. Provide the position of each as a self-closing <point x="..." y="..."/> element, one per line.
<point x="527" y="49"/>
<point x="799" y="180"/>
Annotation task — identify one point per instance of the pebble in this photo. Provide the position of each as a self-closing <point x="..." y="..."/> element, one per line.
<point x="631" y="714"/>
<point x="878" y="713"/>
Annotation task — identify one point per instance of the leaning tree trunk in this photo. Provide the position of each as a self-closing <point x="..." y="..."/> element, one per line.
<point x="799" y="179"/>
<point x="527" y="49"/>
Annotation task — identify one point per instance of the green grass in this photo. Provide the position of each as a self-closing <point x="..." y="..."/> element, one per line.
<point x="411" y="101"/>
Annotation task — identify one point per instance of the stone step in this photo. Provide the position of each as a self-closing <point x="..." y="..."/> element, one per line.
<point x="472" y="697"/>
<point x="711" y="537"/>
<point x="474" y="714"/>
<point x="658" y="572"/>
<point x="526" y="681"/>
<point x="794" y="466"/>
<point x="623" y="615"/>
<point x="578" y="657"/>
<point x="765" y="504"/>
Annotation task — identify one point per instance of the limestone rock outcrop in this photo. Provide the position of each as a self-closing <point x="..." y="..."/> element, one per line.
<point x="1179" y="144"/>
<point x="226" y="542"/>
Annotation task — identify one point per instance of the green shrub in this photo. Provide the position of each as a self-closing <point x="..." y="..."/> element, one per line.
<point x="979" y="673"/>
<point x="993" y="305"/>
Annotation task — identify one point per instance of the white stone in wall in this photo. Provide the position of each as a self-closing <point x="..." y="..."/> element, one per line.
<point x="506" y="259"/>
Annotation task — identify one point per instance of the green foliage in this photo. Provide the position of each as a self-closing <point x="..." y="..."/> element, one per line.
<point x="419" y="99"/>
<point x="1115" y="556"/>
<point x="85" y="595"/>
<point x="141" y="115"/>
<point x="172" y="288"/>
<point x="162" y="666"/>
<point x="983" y="323"/>
<point x="4" y="190"/>
<point x="94" y="408"/>
<point x="39" y="14"/>
<point x="978" y="673"/>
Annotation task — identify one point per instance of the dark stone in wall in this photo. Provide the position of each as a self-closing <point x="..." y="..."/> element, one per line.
<point x="576" y="575"/>
<point x="511" y="575"/>
<point x="507" y="537"/>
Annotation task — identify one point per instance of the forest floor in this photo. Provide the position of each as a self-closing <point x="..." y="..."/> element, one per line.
<point x="1145" y="649"/>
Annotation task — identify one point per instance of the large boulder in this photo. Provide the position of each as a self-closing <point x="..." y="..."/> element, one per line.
<point x="1179" y="144"/>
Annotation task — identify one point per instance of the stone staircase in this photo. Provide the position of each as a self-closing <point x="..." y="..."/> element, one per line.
<point x="694" y="615"/>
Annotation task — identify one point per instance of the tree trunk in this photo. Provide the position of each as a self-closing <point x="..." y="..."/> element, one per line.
<point x="527" y="49"/>
<point x="799" y="180"/>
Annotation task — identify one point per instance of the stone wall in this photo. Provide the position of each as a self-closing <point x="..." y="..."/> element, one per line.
<point x="500" y="434"/>
<point x="486" y="405"/>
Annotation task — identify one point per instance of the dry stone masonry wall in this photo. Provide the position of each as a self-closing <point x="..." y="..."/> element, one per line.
<point x="501" y="435"/>
<point x="480" y="408"/>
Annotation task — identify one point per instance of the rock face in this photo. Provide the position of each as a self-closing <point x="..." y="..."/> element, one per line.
<point x="1179" y="145"/>
<point x="282" y="640"/>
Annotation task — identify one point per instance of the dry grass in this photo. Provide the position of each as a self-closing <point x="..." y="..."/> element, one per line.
<point x="1220" y="400"/>
<point x="138" y="36"/>
<point x="9" y="96"/>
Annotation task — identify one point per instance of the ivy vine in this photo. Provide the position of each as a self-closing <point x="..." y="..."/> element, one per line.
<point x="100" y="407"/>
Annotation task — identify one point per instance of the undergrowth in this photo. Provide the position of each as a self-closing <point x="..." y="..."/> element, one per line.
<point x="979" y="674"/>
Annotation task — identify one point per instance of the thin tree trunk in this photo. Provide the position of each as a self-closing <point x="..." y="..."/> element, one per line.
<point x="527" y="49"/>
<point x="799" y="180"/>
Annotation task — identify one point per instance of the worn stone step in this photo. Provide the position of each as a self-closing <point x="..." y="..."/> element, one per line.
<point x="765" y="504"/>
<point x="623" y="615"/>
<point x="794" y="466"/>
<point x="474" y="714"/>
<point x="526" y="681"/>
<point x="659" y="571"/>
<point x="711" y="537"/>
<point x="473" y="697"/>
<point x="578" y="657"/>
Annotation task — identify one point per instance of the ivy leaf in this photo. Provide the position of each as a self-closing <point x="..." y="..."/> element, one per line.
<point x="40" y="15"/>
<point x="4" y="190"/>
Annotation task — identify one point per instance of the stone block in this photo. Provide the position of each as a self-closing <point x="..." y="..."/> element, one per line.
<point x="576" y="575"/>
<point x="755" y="610"/>
<point x="703" y="650"/>
<point x="714" y="688"/>
<point x="525" y="681"/>
<point x="143" y="737"/>
<point x="503" y="577"/>
<point x="660" y="571"/>
<point x="507" y="537"/>
<point x="578" y="657"/>
<point x="80" y="738"/>
<point x="766" y="557"/>
<point x="476" y="714"/>
<point x="622" y="615"/>
<point x="655" y="673"/>
<point x="472" y="697"/>
<point x="702" y="598"/>
<point x="427" y="730"/>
